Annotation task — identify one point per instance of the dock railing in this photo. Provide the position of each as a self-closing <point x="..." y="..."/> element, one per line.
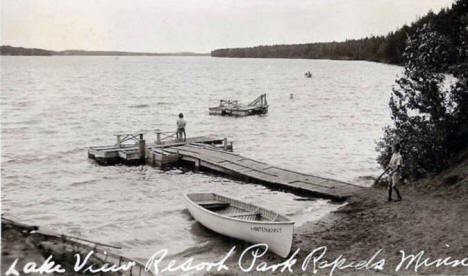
<point x="229" y="103"/>
<point x="260" y="100"/>
<point x="122" y="138"/>
<point x="163" y="136"/>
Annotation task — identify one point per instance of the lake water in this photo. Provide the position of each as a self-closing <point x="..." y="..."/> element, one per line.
<point x="53" y="108"/>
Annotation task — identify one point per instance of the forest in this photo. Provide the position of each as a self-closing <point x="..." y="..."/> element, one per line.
<point x="387" y="49"/>
<point x="7" y="50"/>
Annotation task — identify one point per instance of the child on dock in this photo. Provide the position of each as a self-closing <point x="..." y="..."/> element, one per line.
<point x="181" y="127"/>
<point x="395" y="174"/>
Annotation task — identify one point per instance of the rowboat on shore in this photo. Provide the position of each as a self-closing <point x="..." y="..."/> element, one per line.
<point x="234" y="108"/>
<point x="242" y="220"/>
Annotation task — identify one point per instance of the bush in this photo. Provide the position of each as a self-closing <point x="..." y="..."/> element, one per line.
<point x="430" y="121"/>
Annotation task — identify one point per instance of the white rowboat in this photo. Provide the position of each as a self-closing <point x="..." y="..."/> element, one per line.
<point x="241" y="220"/>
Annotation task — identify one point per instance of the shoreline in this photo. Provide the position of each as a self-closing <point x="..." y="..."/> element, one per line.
<point x="367" y="229"/>
<point x="431" y="222"/>
<point x="29" y="250"/>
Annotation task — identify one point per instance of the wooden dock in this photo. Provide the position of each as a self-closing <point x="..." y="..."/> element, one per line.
<point x="138" y="152"/>
<point x="215" y="154"/>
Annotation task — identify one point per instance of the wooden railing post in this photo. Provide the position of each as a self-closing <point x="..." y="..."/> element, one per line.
<point x="118" y="140"/>
<point x="142" y="146"/>
<point x="158" y="137"/>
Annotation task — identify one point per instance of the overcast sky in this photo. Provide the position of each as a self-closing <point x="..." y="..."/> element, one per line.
<point x="198" y="25"/>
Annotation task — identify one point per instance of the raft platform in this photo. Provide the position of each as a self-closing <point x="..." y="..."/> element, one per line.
<point x="234" y="108"/>
<point x="215" y="154"/>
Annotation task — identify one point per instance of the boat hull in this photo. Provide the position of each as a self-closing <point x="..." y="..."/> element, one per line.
<point x="277" y="235"/>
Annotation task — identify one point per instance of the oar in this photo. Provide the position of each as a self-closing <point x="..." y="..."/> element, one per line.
<point x="378" y="179"/>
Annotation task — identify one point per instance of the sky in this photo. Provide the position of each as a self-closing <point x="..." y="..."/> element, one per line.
<point x="199" y="25"/>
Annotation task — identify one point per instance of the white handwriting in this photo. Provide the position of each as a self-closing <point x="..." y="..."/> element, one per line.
<point x="340" y="263"/>
<point x="257" y="251"/>
<point x="156" y="259"/>
<point x="418" y="261"/>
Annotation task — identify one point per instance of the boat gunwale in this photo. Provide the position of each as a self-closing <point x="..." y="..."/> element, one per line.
<point x="288" y="222"/>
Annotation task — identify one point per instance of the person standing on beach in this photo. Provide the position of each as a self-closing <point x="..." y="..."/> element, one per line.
<point x="395" y="173"/>
<point x="181" y="127"/>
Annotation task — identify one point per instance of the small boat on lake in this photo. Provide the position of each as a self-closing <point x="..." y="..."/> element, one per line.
<point x="233" y="108"/>
<point x="242" y="220"/>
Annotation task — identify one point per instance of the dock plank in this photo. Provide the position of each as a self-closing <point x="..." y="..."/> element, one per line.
<point x="263" y="172"/>
<point x="198" y="150"/>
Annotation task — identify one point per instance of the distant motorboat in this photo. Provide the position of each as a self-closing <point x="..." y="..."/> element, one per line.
<point x="242" y="220"/>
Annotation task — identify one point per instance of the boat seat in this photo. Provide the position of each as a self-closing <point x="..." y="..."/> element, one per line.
<point x="213" y="205"/>
<point x="244" y="214"/>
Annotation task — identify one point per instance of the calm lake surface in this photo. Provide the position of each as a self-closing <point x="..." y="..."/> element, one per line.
<point x="53" y="108"/>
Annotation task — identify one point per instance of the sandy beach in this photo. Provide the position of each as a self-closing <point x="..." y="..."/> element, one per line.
<point x="430" y="221"/>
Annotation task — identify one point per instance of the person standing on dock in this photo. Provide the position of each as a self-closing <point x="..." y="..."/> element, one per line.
<point x="395" y="173"/>
<point x="181" y="127"/>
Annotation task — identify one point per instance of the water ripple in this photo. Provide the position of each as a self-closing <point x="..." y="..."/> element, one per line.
<point x="54" y="108"/>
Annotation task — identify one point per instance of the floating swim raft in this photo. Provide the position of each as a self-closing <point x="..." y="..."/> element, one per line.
<point x="233" y="108"/>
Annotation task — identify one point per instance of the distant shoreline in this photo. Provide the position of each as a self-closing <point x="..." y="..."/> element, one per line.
<point x="6" y="50"/>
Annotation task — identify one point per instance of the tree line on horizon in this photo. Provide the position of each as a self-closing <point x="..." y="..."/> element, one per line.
<point x="7" y="50"/>
<point x="387" y="49"/>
